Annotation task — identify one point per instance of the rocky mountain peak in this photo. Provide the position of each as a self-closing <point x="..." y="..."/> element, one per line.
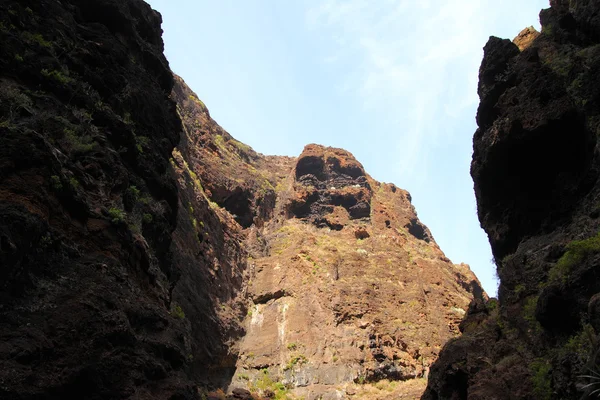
<point x="331" y="187"/>
<point x="328" y="164"/>
<point x="346" y="286"/>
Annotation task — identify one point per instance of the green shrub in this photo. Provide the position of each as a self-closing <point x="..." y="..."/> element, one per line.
<point x="141" y="143"/>
<point x="242" y="146"/>
<point x="492" y="304"/>
<point x="127" y="118"/>
<point x="74" y="183"/>
<point x="576" y="252"/>
<point x="177" y="312"/>
<point x="581" y="344"/>
<point x="219" y="141"/>
<point x="57" y="76"/>
<point x="16" y="101"/>
<point x="292" y="346"/>
<point x="520" y="288"/>
<point x="117" y="216"/>
<point x="36" y="38"/>
<point x="295" y="360"/>
<point x="266" y="384"/>
<point x="79" y="144"/>
<point x="55" y="183"/>
<point x="134" y="192"/>
<point x="195" y="179"/>
<point x="147" y="218"/>
<point x="145" y="199"/>
<point x="529" y="313"/>
<point x="45" y="241"/>
<point x="548" y="29"/>
<point x="541" y="379"/>
<point x="197" y="100"/>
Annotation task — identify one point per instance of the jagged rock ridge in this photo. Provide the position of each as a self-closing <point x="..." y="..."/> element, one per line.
<point x="535" y="167"/>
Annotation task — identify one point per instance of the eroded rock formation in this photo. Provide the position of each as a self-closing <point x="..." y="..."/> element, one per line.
<point x="535" y="167"/>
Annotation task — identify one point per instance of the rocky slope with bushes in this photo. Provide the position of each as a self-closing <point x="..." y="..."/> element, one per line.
<point x="535" y="167"/>
<point x="147" y="254"/>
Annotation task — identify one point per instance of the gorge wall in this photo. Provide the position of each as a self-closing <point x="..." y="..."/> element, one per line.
<point x="146" y="254"/>
<point x="535" y="167"/>
<point x="345" y="287"/>
<point x="88" y="205"/>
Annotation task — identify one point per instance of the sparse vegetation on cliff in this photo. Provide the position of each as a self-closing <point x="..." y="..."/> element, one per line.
<point x="576" y="252"/>
<point x="541" y="379"/>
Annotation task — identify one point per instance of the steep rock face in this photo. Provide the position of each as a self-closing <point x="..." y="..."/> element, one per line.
<point x="233" y="175"/>
<point x="535" y="167"/>
<point x="223" y="187"/>
<point x="346" y="288"/>
<point x="88" y="208"/>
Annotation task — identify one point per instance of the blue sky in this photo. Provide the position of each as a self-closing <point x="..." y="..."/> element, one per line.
<point x="392" y="81"/>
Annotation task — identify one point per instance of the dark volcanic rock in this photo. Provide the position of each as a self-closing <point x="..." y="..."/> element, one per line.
<point x="535" y="167"/>
<point x="327" y="178"/>
<point x="87" y="204"/>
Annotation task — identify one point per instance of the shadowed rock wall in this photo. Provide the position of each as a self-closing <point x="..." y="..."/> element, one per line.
<point x="535" y="167"/>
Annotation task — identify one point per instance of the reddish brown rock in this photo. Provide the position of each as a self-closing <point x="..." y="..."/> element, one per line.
<point x="347" y="287"/>
<point x="526" y="37"/>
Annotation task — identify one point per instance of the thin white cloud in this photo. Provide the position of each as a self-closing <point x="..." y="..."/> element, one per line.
<point x="414" y="65"/>
<point x="413" y="58"/>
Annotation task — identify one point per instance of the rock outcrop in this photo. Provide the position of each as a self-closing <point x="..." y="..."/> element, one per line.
<point x="535" y="167"/>
<point x="346" y="287"/>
